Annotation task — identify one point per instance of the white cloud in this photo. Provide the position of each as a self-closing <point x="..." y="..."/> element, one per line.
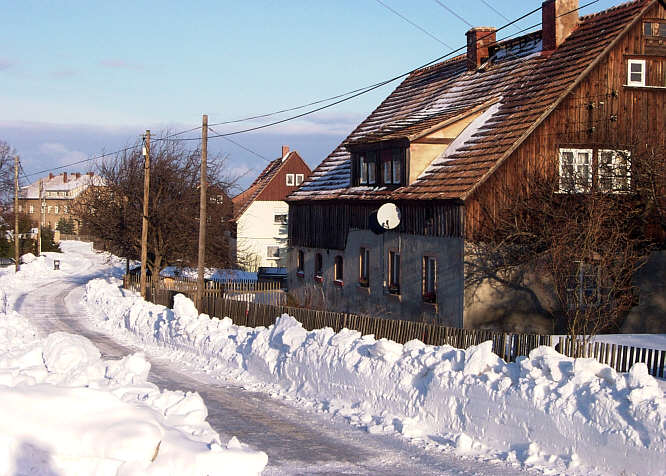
<point x="60" y="153"/>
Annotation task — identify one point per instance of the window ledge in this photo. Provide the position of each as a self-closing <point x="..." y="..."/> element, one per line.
<point x="318" y="279"/>
<point x="338" y="283"/>
<point x="300" y="274"/>
<point x="643" y="87"/>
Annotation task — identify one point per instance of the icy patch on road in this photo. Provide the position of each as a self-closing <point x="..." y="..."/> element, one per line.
<point x="65" y="410"/>
<point x="547" y="411"/>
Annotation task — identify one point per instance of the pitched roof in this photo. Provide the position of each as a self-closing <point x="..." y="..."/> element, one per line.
<point x="525" y="84"/>
<point x="58" y="183"/>
<point x="244" y="199"/>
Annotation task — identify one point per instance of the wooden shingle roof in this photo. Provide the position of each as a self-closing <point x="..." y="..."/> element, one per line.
<point x="525" y="86"/>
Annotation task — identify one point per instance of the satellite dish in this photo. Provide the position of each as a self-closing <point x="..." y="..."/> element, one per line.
<point x="388" y="216"/>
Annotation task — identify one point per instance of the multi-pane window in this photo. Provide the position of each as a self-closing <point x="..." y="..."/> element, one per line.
<point x="655" y="28"/>
<point x="338" y="268"/>
<point x="290" y="180"/>
<point x="368" y="168"/>
<point x="614" y="170"/>
<point x="364" y="264"/>
<point x="272" y="252"/>
<point x="56" y="209"/>
<point x="429" y="279"/>
<point x="394" y="272"/>
<point x="299" y="178"/>
<point x="32" y="209"/>
<point x="575" y="170"/>
<point x="65" y="209"/>
<point x="280" y="217"/>
<point x="636" y="72"/>
<point x="392" y="166"/>
<point x="300" y="262"/>
<point x="318" y="266"/>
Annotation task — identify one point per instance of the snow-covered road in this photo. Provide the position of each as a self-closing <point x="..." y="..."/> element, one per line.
<point x="297" y="440"/>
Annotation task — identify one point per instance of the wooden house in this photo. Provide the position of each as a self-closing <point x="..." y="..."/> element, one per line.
<point x="260" y="213"/>
<point x="447" y="142"/>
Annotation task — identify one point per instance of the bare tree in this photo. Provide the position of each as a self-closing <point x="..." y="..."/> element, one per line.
<point x="7" y="154"/>
<point x="582" y="239"/>
<point x="112" y="212"/>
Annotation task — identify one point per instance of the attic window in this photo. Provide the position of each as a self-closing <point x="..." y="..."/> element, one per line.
<point x="636" y="72"/>
<point x="654" y="29"/>
<point x="654" y="37"/>
<point x="380" y="167"/>
<point x="290" y="180"/>
<point x="299" y="179"/>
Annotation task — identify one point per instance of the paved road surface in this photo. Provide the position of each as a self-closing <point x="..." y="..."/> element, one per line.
<point x="297" y="440"/>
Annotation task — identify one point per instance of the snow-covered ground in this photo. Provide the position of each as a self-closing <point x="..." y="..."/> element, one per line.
<point x="547" y="412"/>
<point x="65" y="410"/>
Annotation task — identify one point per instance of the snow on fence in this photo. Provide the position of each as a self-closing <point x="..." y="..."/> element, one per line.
<point x="163" y="290"/>
<point x="619" y="357"/>
<point x="261" y="305"/>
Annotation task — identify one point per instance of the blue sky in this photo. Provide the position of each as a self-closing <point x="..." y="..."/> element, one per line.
<point x="77" y="78"/>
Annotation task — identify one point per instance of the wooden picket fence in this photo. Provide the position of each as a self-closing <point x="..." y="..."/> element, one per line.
<point x="255" y="304"/>
<point x="161" y="291"/>
<point x="619" y="357"/>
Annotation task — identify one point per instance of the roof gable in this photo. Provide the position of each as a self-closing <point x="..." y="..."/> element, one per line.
<point x="527" y="83"/>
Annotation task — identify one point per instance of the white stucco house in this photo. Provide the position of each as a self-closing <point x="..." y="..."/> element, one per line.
<point x="260" y="212"/>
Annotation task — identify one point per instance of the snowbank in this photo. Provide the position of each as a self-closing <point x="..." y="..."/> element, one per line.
<point x="546" y="410"/>
<point x="64" y="410"/>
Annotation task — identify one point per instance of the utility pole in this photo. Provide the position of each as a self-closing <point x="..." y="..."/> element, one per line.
<point x="144" y="225"/>
<point x="202" y="210"/>
<point x="16" y="211"/>
<point x="41" y="218"/>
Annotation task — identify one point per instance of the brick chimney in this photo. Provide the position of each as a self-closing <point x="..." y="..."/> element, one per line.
<point x="64" y="177"/>
<point x="557" y="22"/>
<point x="90" y="174"/>
<point x="478" y="40"/>
<point x="78" y="175"/>
<point x="50" y="175"/>
<point x="285" y="151"/>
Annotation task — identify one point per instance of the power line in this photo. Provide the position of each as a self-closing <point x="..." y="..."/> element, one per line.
<point x="239" y="145"/>
<point x="412" y="23"/>
<point x="455" y="14"/>
<point x="344" y="97"/>
<point x="90" y="159"/>
<point x="495" y="10"/>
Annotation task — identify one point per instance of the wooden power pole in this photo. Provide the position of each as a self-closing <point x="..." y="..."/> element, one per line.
<point x="144" y="223"/>
<point x="41" y="218"/>
<point x="202" y="211"/>
<point x="16" y="212"/>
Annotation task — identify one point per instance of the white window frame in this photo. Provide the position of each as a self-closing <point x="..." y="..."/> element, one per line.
<point x="32" y="209"/>
<point x="578" y="187"/>
<point x="364" y="266"/>
<point x="643" y="73"/>
<point x="299" y="179"/>
<point x="618" y="180"/>
<point x="290" y="180"/>
<point x="268" y="252"/>
<point x="56" y="209"/>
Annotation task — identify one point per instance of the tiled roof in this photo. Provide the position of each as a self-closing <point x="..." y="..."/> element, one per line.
<point x="246" y="197"/>
<point x="525" y="83"/>
<point x="58" y="183"/>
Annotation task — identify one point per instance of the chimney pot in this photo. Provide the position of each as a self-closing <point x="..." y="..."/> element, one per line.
<point x="478" y="40"/>
<point x="285" y="151"/>
<point x="64" y="177"/>
<point x="559" y="18"/>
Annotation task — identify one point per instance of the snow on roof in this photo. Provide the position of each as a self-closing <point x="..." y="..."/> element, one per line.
<point x="64" y="182"/>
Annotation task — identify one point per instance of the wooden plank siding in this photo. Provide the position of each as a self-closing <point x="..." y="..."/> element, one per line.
<point x="601" y="111"/>
<point x="326" y="224"/>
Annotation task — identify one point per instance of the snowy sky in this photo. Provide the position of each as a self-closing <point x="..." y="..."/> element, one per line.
<point x="80" y="77"/>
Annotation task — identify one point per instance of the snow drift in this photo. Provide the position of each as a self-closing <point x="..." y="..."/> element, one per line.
<point x="66" y="410"/>
<point x="547" y="410"/>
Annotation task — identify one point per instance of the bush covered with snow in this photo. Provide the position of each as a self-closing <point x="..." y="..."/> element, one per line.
<point x="65" y="410"/>
<point x="545" y="410"/>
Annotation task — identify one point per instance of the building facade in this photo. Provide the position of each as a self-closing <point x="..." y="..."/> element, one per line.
<point x="58" y="194"/>
<point x="454" y="139"/>
<point x="261" y="213"/>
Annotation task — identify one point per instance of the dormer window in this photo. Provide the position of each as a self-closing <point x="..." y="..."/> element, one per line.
<point x="379" y="167"/>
